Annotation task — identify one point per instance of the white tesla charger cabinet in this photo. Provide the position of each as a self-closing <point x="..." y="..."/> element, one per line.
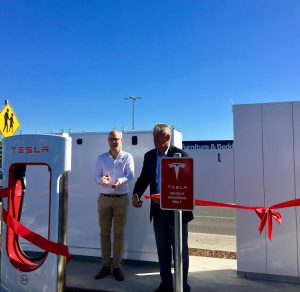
<point x="267" y="171"/>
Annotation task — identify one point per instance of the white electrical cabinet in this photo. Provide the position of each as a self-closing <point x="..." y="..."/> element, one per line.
<point x="83" y="227"/>
<point x="267" y="171"/>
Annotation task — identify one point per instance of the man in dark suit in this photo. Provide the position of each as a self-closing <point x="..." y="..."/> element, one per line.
<point x="163" y="220"/>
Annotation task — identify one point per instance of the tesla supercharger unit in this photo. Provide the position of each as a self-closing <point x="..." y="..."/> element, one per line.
<point x="42" y="270"/>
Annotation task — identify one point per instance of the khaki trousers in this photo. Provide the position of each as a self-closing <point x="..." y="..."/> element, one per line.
<point x="112" y="210"/>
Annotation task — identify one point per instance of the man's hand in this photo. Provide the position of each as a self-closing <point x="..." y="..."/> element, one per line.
<point x="157" y="201"/>
<point x="105" y="180"/>
<point x="116" y="183"/>
<point x="136" y="202"/>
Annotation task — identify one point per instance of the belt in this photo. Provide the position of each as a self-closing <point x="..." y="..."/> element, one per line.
<point x="113" y="195"/>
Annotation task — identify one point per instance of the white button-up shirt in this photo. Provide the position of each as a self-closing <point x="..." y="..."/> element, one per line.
<point x="120" y="168"/>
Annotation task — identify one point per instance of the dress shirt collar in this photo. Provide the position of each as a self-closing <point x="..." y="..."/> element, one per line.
<point x="164" y="154"/>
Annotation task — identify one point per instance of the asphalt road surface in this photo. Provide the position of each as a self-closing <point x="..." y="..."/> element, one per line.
<point x="213" y="221"/>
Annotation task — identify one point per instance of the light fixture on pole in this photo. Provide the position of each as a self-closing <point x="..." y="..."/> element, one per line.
<point x="133" y="99"/>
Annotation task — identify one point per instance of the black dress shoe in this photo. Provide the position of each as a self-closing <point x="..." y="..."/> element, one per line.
<point x="103" y="273"/>
<point x="117" y="273"/>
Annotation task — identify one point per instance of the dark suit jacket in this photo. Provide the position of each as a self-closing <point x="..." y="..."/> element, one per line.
<point x="148" y="177"/>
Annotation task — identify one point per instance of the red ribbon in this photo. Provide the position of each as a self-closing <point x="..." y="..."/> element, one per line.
<point x="264" y="213"/>
<point x="36" y="239"/>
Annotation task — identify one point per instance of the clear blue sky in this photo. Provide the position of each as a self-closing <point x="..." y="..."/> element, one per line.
<point x="69" y="64"/>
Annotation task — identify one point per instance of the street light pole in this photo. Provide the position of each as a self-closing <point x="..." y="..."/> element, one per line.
<point x="133" y="99"/>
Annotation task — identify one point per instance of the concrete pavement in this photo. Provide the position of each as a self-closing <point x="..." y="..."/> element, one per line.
<point x="205" y="273"/>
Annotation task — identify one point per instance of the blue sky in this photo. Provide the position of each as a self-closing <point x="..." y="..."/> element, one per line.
<point x="69" y="64"/>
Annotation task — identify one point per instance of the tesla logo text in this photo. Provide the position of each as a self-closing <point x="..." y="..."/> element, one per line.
<point x="177" y="166"/>
<point x="24" y="279"/>
<point x="30" y="149"/>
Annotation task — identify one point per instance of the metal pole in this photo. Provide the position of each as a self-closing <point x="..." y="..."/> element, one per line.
<point x="133" y="114"/>
<point x="133" y="99"/>
<point x="178" y="246"/>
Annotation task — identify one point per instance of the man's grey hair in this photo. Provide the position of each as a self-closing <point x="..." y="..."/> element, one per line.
<point x="166" y="129"/>
<point x="115" y="132"/>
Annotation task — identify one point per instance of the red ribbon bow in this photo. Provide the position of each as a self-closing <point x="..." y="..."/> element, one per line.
<point x="267" y="214"/>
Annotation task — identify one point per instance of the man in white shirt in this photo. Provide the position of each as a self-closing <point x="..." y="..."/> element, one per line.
<point x="114" y="170"/>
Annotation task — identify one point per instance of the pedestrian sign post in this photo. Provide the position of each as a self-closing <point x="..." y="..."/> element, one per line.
<point x="9" y="123"/>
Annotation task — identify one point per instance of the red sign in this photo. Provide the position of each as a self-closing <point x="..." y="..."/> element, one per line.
<point x="177" y="184"/>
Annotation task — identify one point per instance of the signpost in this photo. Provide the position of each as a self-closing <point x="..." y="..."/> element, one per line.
<point x="177" y="193"/>
<point x="9" y="123"/>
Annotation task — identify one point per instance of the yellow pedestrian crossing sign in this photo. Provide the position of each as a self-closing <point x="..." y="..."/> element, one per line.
<point x="9" y="123"/>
